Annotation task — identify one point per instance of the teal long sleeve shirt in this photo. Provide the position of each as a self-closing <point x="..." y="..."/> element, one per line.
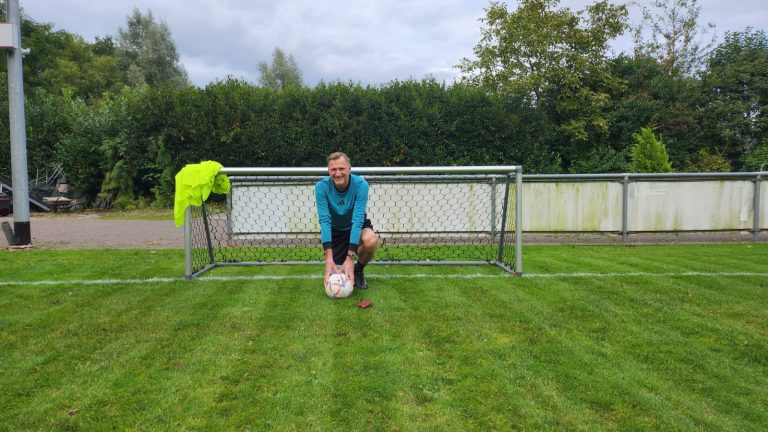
<point x="341" y="210"/>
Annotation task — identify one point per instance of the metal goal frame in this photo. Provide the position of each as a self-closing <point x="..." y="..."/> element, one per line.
<point x="201" y="258"/>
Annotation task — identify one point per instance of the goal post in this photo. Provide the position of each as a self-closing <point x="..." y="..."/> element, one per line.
<point x="460" y="215"/>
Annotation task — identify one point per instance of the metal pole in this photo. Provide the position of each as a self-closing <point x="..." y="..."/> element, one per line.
<point x="519" y="221"/>
<point x="267" y="171"/>
<point x="756" y="212"/>
<point x="20" y="177"/>
<point x="493" y="208"/>
<point x="504" y="213"/>
<point x="625" y="210"/>
<point x="208" y="240"/>
<point x="188" y="242"/>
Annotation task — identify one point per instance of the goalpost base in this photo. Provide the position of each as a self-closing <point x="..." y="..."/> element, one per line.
<point x="375" y="263"/>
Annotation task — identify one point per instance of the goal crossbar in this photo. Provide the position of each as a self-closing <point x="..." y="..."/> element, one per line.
<point x="452" y="215"/>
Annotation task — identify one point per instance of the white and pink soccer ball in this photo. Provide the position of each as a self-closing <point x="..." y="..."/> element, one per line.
<point x="338" y="286"/>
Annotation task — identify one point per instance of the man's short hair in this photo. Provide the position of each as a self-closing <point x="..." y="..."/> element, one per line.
<point x="338" y="155"/>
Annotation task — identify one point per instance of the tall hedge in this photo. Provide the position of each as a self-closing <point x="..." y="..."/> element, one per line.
<point x="129" y="145"/>
<point x="152" y="133"/>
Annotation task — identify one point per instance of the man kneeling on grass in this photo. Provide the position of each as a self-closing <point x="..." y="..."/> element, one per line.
<point x="345" y="231"/>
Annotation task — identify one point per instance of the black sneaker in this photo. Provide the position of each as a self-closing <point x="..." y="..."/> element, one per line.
<point x="360" y="281"/>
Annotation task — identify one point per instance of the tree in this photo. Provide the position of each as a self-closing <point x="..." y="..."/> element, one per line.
<point x="536" y="46"/>
<point x="708" y="162"/>
<point x="555" y="60"/>
<point x="281" y="74"/>
<point x="670" y="32"/>
<point x="81" y="72"/>
<point x="736" y="87"/>
<point x="61" y="62"/>
<point x="649" y="155"/>
<point x="757" y="159"/>
<point x="103" y="46"/>
<point x="651" y="96"/>
<point x="601" y="160"/>
<point x="147" y="54"/>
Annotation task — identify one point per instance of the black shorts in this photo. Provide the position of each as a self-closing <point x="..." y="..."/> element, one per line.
<point x="340" y="242"/>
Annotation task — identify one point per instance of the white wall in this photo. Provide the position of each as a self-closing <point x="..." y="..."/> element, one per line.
<point x="547" y="206"/>
<point x="577" y="206"/>
<point x="691" y="206"/>
<point x="652" y="206"/>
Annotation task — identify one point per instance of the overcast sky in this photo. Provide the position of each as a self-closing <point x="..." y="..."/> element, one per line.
<point x="362" y="41"/>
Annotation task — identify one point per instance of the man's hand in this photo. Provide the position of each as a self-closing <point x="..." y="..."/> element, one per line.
<point x="349" y="269"/>
<point x="330" y="266"/>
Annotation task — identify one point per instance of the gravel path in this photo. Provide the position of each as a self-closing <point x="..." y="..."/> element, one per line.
<point x="75" y="231"/>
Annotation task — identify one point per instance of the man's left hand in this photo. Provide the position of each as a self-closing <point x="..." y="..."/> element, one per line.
<point x="349" y="269"/>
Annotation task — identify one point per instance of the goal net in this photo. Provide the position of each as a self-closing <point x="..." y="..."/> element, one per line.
<point x="422" y="215"/>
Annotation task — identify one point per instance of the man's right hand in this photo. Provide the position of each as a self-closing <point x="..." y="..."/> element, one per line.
<point x="348" y="268"/>
<point x="330" y="266"/>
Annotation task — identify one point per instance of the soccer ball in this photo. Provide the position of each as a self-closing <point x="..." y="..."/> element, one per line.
<point x="338" y="286"/>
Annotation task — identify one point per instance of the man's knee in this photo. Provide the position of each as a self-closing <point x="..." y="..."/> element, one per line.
<point x="368" y="239"/>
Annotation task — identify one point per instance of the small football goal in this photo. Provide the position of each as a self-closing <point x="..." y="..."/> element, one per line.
<point x="459" y="215"/>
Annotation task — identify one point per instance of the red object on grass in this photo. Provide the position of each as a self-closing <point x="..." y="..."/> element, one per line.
<point x="364" y="304"/>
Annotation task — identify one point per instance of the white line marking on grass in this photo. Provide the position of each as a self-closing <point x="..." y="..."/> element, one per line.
<point x="160" y="280"/>
<point x="667" y="274"/>
<point x="91" y="282"/>
<point x="368" y="276"/>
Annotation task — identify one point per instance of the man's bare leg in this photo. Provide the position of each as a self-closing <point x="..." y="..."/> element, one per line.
<point x="365" y="251"/>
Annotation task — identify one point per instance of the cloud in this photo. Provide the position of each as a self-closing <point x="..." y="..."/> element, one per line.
<point x="204" y="70"/>
<point x="366" y="41"/>
<point x="359" y="41"/>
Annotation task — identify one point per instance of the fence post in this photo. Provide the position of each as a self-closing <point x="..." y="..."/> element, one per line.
<point x="188" y="242"/>
<point x="756" y="211"/>
<point x="519" y="221"/>
<point x="625" y="209"/>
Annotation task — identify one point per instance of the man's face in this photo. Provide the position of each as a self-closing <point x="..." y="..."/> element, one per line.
<point x="339" y="169"/>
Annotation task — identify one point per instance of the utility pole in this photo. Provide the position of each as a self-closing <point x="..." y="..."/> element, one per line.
<point x="21" y="228"/>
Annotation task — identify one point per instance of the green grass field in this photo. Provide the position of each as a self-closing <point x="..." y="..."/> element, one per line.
<point x="649" y="338"/>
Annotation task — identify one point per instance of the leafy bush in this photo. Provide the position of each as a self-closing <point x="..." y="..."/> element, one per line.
<point x="707" y="162"/>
